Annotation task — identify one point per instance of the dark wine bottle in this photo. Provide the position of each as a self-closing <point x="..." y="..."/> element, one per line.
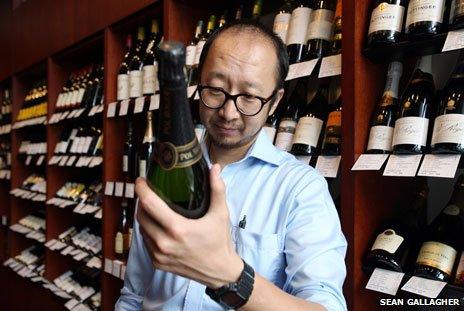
<point x="282" y="20"/>
<point x="337" y="39"/>
<point x="272" y="122"/>
<point x="411" y="126"/>
<point x="386" y="22"/>
<point x="397" y="237"/>
<point x="424" y="18"/>
<point x="296" y="36"/>
<point x="180" y="175"/>
<point x="209" y="30"/>
<point x="309" y="127"/>
<point x="320" y="29"/>
<point x="129" y="157"/>
<point x="456" y="19"/>
<point x="383" y="119"/>
<point x="121" y="238"/>
<point x="150" y="66"/>
<point x="448" y="130"/>
<point x="135" y="66"/>
<point x="191" y="50"/>
<point x="146" y="152"/>
<point x="332" y="143"/>
<point x="257" y="9"/>
<point x="438" y="252"/>
<point x="123" y="74"/>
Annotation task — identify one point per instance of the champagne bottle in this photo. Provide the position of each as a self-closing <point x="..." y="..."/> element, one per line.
<point x="129" y="156"/>
<point x="397" y="237"/>
<point x="123" y="74"/>
<point x="448" y="130"/>
<point x="135" y="66"/>
<point x="146" y="152"/>
<point x="310" y="122"/>
<point x="383" y="118"/>
<point x="296" y="36"/>
<point x="150" y="66"/>
<point x="386" y="22"/>
<point x="282" y="20"/>
<point x="332" y="143"/>
<point x="180" y="174"/>
<point x="438" y="252"/>
<point x="191" y="50"/>
<point x="424" y="18"/>
<point x="411" y="126"/>
<point x="320" y="29"/>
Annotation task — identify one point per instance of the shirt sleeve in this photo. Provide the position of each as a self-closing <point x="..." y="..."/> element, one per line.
<point x="315" y="247"/>
<point x="139" y="273"/>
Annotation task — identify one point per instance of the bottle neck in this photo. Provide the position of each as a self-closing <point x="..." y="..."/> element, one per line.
<point x="198" y="31"/>
<point x="425" y="64"/>
<point x="149" y="137"/>
<point x="392" y="83"/>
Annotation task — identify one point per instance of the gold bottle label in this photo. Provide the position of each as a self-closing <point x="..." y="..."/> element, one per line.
<point x="119" y="243"/>
<point x="171" y="156"/>
<point x="437" y="255"/>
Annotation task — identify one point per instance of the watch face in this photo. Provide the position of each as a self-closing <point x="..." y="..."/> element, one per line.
<point x="231" y="299"/>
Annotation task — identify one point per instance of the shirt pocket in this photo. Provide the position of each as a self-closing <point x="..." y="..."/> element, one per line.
<point x="264" y="252"/>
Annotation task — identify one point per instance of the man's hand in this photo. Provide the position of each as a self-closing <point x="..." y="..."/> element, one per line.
<point x="198" y="249"/>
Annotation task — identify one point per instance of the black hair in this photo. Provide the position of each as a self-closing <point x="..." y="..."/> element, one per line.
<point x="262" y="30"/>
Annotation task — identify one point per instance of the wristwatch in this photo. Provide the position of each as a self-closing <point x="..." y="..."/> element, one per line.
<point x="236" y="294"/>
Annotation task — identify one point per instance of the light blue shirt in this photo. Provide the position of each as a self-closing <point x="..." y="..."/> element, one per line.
<point x="292" y="237"/>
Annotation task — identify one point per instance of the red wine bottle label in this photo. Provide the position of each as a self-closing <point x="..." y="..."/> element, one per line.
<point x="335" y="119"/>
<point x="459" y="280"/>
<point x="437" y="255"/>
<point x="123" y="87"/>
<point x="388" y="241"/>
<point x="448" y="128"/>
<point x="307" y="131"/>
<point x="424" y="11"/>
<point x="119" y="243"/>
<point x="190" y="55"/>
<point x="321" y="25"/>
<point x="285" y="134"/>
<point x="380" y="138"/>
<point x="298" y="26"/>
<point x="410" y="130"/>
<point x="135" y="83"/>
<point x="171" y="156"/>
<point x="386" y="17"/>
<point x="281" y="23"/>
<point x="198" y="51"/>
<point x="149" y="79"/>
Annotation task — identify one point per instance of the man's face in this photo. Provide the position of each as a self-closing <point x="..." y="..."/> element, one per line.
<point x="238" y="64"/>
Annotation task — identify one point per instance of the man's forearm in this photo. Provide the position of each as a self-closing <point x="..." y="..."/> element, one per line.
<point x="267" y="296"/>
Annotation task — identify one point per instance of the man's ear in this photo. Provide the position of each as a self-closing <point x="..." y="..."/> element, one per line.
<point x="277" y="98"/>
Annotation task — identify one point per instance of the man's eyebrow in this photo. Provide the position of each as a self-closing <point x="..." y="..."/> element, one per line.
<point x="221" y="76"/>
<point x="216" y="74"/>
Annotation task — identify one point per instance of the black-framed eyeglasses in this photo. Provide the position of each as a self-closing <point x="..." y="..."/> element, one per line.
<point x="215" y="98"/>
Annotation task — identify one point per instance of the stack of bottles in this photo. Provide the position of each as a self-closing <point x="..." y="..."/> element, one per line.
<point x="35" y="102"/>
<point x="82" y="141"/>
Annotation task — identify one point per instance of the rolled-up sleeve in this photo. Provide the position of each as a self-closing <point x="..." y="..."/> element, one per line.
<point x="315" y="247"/>
<point x="139" y="273"/>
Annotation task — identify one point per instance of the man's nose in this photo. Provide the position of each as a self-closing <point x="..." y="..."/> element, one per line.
<point x="229" y="111"/>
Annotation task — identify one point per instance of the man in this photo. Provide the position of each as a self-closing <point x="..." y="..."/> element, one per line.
<point x="271" y="239"/>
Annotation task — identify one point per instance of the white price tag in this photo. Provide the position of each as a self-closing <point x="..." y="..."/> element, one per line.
<point x="4" y="220"/>
<point x="304" y="159"/>
<point x="402" y="165"/>
<point x="111" y="112"/>
<point x="454" y="40"/>
<point x="129" y="190"/>
<point x="92" y="111"/>
<point x="71" y="304"/>
<point x="302" y="69"/>
<point x="71" y="161"/>
<point x="64" y="115"/>
<point x="117" y="268"/>
<point x="63" y="160"/>
<point x="369" y="162"/>
<point x="100" y="108"/>
<point x="154" y="102"/>
<point x="119" y="189"/>
<point x="328" y="165"/>
<point x="81" y="111"/>
<point x="108" y="265"/>
<point x="28" y="160"/>
<point x="331" y="66"/>
<point x="124" y="108"/>
<point x="40" y="160"/>
<point x="424" y="287"/>
<point x="385" y="281"/>
<point x="109" y="188"/>
<point x="190" y="90"/>
<point x="439" y="165"/>
<point x="71" y="114"/>
<point x="139" y="105"/>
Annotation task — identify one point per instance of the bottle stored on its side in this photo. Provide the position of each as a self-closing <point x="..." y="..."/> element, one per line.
<point x="332" y="143"/>
<point x="411" y="126"/>
<point x="386" y="22"/>
<point x="383" y="119"/>
<point x="296" y="35"/>
<point x="146" y="152"/>
<point x="394" y="244"/>
<point x="320" y="29"/>
<point x="180" y="175"/>
<point x="438" y="252"/>
<point x="448" y="130"/>
<point x="424" y="18"/>
<point x="309" y="127"/>
<point x="282" y="20"/>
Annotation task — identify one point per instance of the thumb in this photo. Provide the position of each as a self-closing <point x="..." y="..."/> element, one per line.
<point x="218" y="189"/>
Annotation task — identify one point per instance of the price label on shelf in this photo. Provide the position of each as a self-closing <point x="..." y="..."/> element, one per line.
<point x="108" y="265"/>
<point x="40" y="160"/>
<point x="385" y="281"/>
<point x="100" y="108"/>
<point x="71" y="304"/>
<point x="402" y="165"/>
<point x="71" y="114"/>
<point x="328" y="165"/>
<point x="28" y="160"/>
<point x="424" y="287"/>
<point x="109" y="188"/>
<point x="129" y="190"/>
<point x="119" y="189"/>
<point x="111" y="112"/>
<point x="117" y="264"/>
<point x="302" y="69"/>
<point x="190" y="90"/>
<point x="154" y="102"/>
<point x="139" y="104"/>
<point x="439" y="165"/>
<point x="454" y="40"/>
<point x="369" y="162"/>
<point x="124" y="108"/>
<point x="64" y="115"/>
<point x="81" y="111"/>
<point x="95" y="161"/>
<point x="71" y="160"/>
<point x="93" y="111"/>
<point x="331" y="66"/>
